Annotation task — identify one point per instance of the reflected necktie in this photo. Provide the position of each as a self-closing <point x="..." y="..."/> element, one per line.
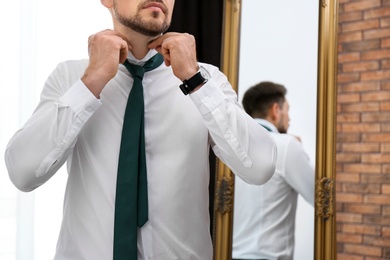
<point x="131" y="202"/>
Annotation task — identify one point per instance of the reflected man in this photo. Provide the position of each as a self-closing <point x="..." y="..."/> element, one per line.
<point x="264" y="216"/>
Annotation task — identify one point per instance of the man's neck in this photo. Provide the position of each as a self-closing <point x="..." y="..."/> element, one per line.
<point x="138" y="42"/>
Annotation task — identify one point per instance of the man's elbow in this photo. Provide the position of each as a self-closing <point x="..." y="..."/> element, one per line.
<point x="263" y="167"/>
<point x="20" y="176"/>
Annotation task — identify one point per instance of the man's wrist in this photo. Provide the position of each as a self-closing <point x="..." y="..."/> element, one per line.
<point x="195" y="82"/>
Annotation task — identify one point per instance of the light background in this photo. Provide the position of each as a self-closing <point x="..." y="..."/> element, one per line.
<point x="36" y="36"/>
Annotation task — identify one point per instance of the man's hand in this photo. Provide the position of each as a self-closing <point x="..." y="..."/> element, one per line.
<point x="107" y="49"/>
<point x="179" y="51"/>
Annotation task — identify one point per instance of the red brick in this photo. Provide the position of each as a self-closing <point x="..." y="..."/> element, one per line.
<point x="385" y="231"/>
<point x="385" y="22"/>
<point x="361" y="5"/>
<point x="350" y="16"/>
<point x="349" y="177"/>
<point x="349" y="218"/>
<point x="361" y="66"/>
<point x="376" y="241"/>
<point x="385" y="210"/>
<point x="348" y="157"/>
<point x="376" y="55"/>
<point x="376" y="75"/>
<point x="376" y="220"/>
<point x="385" y="43"/>
<point x="348" y="117"/>
<point x="385" y="127"/>
<point x="376" y="158"/>
<point x="361" y="147"/>
<point x="375" y="178"/>
<point x="385" y="106"/>
<point x="382" y="137"/>
<point x="343" y="256"/>
<point x="348" y="138"/>
<point x="386" y="188"/>
<point x="385" y="168"/>
<point x="348" y="98"/>
<point x="349" y="197"/>
<point x="360" y="86"/>
<point x="361" y="128"/>
<point x="376" y="96"/>
<point x="385" y="147"/>
<point x="376" y="33"/>
<point x="361" y="107"/>
<point x="363" y="249"/>
<point x="362" y="167"/>
<point x="376" y="117"/>
<point x="363" y="209"/>
<point x="350" y="37"/>
<point x="386" y="85"/>
<point x="348" y="57"/>
<point x="376" y="258"/>
<point x="361" y="229"/>
<point x="348" y="77"/>
<point x="355" y="239"/>
<point x="377" y="199"/>
<point x="376" y="13"/>
<point x="360" y="25"/>
<point x="385" y="64"/>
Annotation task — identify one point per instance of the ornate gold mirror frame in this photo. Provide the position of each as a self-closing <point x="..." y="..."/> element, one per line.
<point x="325" y="233"/>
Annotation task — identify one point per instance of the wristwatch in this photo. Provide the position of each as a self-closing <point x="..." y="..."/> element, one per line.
<point x="192" y="83"/>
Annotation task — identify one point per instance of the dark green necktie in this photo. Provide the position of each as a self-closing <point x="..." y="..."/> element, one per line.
<point x="131" y="202"/>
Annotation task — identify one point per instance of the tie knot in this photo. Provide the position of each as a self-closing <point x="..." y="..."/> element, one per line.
<point x="139" y="71"/>
<point x="136" y="71"/>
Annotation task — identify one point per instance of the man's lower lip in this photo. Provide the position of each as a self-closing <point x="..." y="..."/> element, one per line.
<point x="154" y="8"/>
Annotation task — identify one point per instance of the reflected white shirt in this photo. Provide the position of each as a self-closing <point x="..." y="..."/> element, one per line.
<point x="71" y="125"/>
<point x="264" y="216"/>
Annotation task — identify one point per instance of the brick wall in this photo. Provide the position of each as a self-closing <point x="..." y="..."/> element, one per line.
<point x="363" y="130"/>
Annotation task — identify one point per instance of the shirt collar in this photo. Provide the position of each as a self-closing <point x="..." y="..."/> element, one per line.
<point x="133" y="60"/>
<point x="267" y="124"/>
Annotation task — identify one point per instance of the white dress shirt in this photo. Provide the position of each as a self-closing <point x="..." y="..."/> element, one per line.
<point x="71" y="125"/>
<point x="264" y="216"/>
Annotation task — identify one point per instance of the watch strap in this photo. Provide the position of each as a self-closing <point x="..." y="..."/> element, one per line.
<point x="190" y="84"/>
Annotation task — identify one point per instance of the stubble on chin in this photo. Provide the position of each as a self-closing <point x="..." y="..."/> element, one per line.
<point x="138" y="24"/>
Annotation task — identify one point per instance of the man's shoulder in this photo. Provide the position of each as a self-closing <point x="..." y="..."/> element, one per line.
<point x="285" y="140"/>
<point x="74" y="63"/>
<point x="283" y="137"/>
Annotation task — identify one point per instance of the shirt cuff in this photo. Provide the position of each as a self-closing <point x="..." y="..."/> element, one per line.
<point x="80" y="99"/>
<point x="208" y="97"/>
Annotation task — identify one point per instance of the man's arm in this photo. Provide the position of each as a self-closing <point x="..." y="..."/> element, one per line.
<point x="242" y="144"/>
<point x="238" y="141"/>
<point x="299" y="170"/>
<point x="43" y="144"/>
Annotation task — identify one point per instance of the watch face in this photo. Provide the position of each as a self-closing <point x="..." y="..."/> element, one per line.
<point x="205" y="74"/>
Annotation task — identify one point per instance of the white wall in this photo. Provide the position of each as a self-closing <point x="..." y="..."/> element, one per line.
<point x="279" y="43"/>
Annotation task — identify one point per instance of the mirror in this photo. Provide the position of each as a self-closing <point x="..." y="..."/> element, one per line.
<point x="321" y="87"/>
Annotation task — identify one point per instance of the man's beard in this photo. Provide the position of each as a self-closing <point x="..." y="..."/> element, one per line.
<point x="138" y="25"/>
<point x="281" y="128"/>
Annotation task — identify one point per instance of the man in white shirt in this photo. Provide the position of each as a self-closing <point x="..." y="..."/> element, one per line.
<point x="264" y="216"/>
<point x="79" y="121"/>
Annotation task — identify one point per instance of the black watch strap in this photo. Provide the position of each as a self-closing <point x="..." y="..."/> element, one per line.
<point x="190" y="84"/>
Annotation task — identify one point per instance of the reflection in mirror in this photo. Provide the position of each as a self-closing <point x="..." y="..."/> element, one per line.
<point x="281" y="46"/>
